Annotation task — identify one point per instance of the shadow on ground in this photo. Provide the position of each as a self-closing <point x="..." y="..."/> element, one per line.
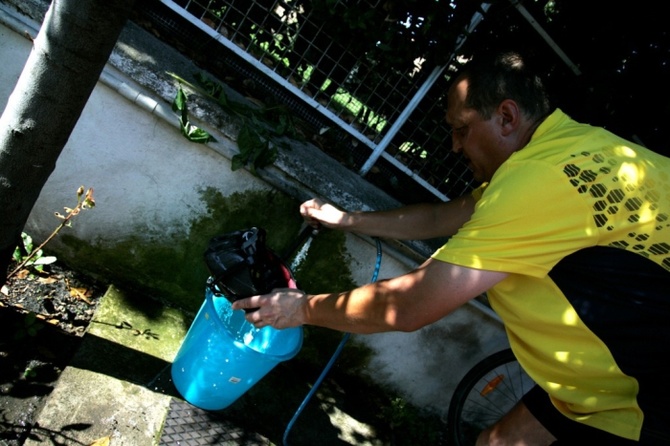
<point x="32" y="356"/>
<point x="266" y="410"/>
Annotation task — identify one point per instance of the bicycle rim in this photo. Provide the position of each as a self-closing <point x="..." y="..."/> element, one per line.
<point x="486" y="393"/>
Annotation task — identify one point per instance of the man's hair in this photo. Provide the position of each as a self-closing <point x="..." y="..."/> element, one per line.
<point x="493" y="78"/>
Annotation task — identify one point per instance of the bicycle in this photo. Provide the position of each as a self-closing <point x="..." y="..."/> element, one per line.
<point x="487" y="392"/>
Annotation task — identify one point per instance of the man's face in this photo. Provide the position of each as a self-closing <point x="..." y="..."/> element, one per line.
<point x="478" y="140"/>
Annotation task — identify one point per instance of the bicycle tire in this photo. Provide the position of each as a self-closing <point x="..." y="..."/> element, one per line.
<point x="487" y="392"/>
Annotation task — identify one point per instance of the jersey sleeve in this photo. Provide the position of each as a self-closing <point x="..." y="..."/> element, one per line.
<point x="527" y="219"/>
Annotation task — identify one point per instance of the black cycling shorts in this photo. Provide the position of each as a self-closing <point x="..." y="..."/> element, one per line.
<point x="567" y="431"/>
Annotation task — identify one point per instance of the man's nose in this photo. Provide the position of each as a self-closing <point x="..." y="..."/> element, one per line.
<point x="456" y="146"/>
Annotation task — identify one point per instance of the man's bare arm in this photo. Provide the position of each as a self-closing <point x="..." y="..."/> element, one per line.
<point x="404" y="303"/>
<point x="413" y="222"/>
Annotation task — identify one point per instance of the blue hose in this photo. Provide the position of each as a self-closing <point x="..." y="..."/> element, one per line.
<point x="333" y="358"/>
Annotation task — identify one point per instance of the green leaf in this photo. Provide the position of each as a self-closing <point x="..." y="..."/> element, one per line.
<point x="248" y="139"/>
<point x="46" y="260"/>
<point x="191" y="132"/>
<point x="265" y="156"/>
<point x="27" y="242"/>
<point x="179" y="104"/>
<point x="198" y="135"/>
<point x="238" y="162"/>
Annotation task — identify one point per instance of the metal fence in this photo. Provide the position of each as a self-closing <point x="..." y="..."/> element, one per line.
<point x="391" y="118"/>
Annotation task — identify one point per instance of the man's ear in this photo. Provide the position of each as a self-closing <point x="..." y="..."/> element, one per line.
<point x="510" y="116"/>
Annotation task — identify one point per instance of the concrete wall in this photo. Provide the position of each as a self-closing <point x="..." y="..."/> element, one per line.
<point x="159" y="198"/>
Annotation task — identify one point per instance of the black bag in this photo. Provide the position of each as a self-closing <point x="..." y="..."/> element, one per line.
<point x="241" y="265"/>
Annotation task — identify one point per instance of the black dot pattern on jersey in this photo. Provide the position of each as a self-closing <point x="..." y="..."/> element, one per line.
<point x="621" y="194"/>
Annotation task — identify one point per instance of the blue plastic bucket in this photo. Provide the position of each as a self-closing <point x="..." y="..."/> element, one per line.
<point x="223" y="355"/>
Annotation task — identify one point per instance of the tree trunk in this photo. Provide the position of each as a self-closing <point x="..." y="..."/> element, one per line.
<point x="68" y="55"/>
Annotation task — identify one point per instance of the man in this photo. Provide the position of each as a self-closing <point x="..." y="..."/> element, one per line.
<point x="570" y="236"/>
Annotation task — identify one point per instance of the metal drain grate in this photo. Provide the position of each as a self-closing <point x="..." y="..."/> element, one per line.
<point x="187" y="425"/>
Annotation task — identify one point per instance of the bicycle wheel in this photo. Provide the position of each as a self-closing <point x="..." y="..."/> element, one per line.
<point x="486" y="393"/>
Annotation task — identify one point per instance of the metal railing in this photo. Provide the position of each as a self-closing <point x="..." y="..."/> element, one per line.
<point x="393" y="118"/>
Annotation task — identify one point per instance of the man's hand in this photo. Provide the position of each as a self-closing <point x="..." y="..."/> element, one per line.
<point x="316" y="212"/>
<point x="282" y="308"/>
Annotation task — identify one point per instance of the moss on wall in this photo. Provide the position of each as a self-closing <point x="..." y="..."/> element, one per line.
<point x="171" y="268"/>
